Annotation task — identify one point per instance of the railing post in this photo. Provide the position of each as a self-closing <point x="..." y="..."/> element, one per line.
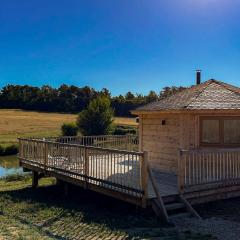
<point x="180" y="173"/>
<point x="144" y="179"/>
<point x="126" y="142"/>
<point x="86" y="166"/>
<point x="20" y="152"/>
<point x="45" y="155"/>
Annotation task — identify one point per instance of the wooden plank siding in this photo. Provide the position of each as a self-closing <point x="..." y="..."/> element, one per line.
<point x="181" y="131"/>
<point x="161" y="141"/>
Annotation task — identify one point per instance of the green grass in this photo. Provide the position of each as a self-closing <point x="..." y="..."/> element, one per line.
<point x="45" y="213"/>
<point x="9" y="161"/>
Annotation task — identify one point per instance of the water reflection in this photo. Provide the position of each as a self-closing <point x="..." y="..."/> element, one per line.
<point x="9" y="165"/>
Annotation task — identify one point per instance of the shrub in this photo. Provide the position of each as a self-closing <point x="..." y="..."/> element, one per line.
<point x="123" y="130"/>
<point x="1" y="150"/>
<point x="69" y="129"/>
<point x="97" y="118"/>
<point x="8" y="150"/>
<point x="11" y="150"/>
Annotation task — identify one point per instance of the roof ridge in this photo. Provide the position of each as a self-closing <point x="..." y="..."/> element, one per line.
<point x="227" y="86"/>
<point x="207" y="84"/>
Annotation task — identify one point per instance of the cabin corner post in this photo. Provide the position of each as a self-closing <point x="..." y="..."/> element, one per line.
<point x="144" y="179"/>
<point x="180" y="173"/>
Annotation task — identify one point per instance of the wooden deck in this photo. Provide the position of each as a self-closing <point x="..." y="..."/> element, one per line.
<point x="95" y="163"/>
<point x="119" y="173"/>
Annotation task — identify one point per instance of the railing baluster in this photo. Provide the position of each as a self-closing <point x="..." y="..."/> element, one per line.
<point x="198" y="167"/>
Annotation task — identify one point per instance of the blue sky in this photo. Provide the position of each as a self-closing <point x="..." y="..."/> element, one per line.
<point x="123" y="45"/>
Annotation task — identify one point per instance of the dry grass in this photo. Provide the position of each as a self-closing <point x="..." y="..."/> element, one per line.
<point x="125" y="121"/>
<point x="18" y="123"/>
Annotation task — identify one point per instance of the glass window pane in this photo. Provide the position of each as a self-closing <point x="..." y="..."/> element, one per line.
<point x="210" y="131"/>
<point x="232" y="131"/>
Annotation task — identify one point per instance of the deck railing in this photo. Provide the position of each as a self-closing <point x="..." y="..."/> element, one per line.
<point x="208" y="167"/>
<point x="119" y="170"/>
<point x="121" y="142"/>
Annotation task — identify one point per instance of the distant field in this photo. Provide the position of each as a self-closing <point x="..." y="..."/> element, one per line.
<point x="18" y="123"/>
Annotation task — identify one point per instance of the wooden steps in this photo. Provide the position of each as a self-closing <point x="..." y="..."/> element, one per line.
<point x="176" y="206"/>
<point x="170" y="206"/>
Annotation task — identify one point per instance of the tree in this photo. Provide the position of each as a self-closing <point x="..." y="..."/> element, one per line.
<point x="97" y="118"/>
<point x="169" y="91"/>
<point x="151" y="97"/>
<point x="129" y="96"/>
<point x="69" y="129"/>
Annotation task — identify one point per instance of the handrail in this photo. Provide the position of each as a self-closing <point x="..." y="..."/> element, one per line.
<point x="197" y="167"/>
<point x="81" y="145"/>
<point x="120" y="170"/>
<point x="124" y="142"/>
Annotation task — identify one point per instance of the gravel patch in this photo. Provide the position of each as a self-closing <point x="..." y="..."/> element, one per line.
<point x="217" y="227"/>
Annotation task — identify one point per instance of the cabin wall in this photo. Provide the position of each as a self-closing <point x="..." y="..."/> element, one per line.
<point x="189" y="131"/>
<point x="160" y="140"/>
<point x="164" y="141"/>
<point x="181" y="131"/>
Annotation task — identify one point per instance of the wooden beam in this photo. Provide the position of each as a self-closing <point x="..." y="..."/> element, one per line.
<point x="160" y="203"/>
<point x="189" y="207"/>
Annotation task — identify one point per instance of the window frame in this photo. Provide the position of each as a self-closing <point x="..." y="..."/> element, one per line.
<point x="221" y="131"/>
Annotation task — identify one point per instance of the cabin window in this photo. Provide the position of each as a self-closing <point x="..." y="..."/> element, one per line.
<point x="232" y="131"/>
<point x="210" y="131"/>
<point x="223" y="131"/>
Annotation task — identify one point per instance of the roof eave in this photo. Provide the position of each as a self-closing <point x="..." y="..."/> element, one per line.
<point x="141" y="112"/>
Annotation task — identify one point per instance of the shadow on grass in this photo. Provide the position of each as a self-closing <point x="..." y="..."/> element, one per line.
<point x="51" y="211"/>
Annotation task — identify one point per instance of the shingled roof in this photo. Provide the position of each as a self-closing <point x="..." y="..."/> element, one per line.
<point x="209" y="95"/>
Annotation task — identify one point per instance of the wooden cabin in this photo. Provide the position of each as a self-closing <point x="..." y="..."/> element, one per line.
<point x="205" y="116"/>
<point x="194" y="137"/>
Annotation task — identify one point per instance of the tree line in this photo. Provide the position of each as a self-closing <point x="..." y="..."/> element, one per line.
<point x="73" y="99"/>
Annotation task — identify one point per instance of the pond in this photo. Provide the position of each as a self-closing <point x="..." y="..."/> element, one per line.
<point x="9" y="165"/>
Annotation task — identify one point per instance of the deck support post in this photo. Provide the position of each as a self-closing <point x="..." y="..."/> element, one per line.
<point x="34" y="179"/>
<point x="144" y="179"/>
<point x="59" y="182"/>
<point x="66" y="189"/>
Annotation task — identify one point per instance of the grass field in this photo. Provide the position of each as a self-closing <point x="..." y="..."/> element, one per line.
<point x="18" y="123"/>
<point x="45" y="213"/>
